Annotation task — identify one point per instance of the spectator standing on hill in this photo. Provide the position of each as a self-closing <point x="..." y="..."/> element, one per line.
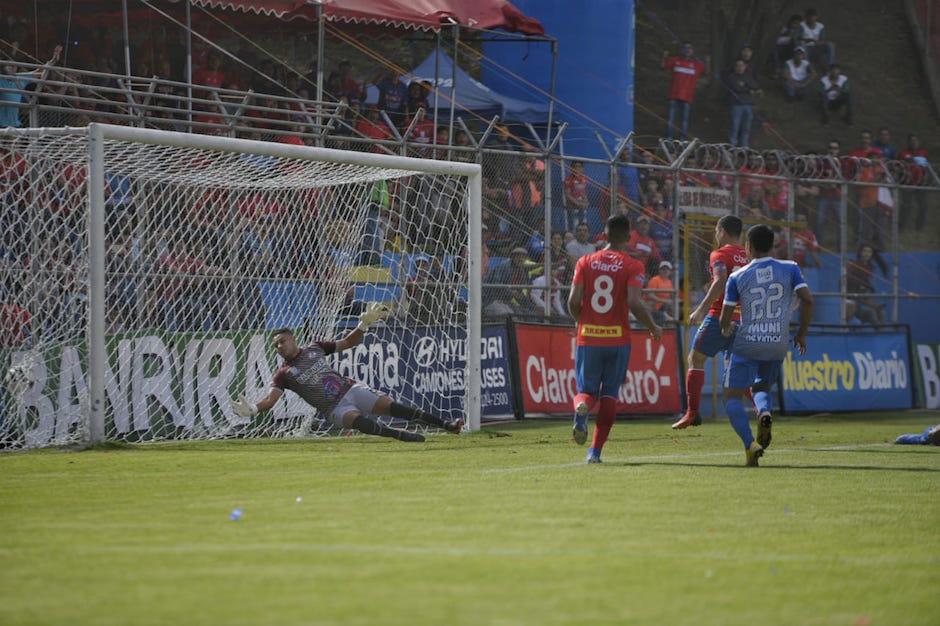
<point x="746" y="54"/>
<point x="884" y="144"/>
<point x="813" y="38"/>
<point x="742" y="90"/>
<point x="835" y="95"/>
<point x="915" y="159"/>
<point x="798" y="73"/>
<point x="576" y="194"/>
<point x="685" y="71"/>
<point x="787" y="40"/>
<point x="867" y="150"/>
<point x="581" y="245"/>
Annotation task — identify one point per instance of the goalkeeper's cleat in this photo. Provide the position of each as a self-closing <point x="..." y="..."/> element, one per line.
<point x="689" y="419"/>
<point x="764" y="424"/>
<point x="593" y="456"/>
<point x="580" y="430"/>
<point x="404" y="435"/>
<point x="753" y="453"/>
<point x="453" y="426"/>
<point x="911" y="439"/>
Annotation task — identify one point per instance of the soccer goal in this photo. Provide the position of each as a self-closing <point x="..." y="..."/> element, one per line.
<point x="143" y="272"/>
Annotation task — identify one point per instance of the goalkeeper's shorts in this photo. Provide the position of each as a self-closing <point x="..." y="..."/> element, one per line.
<point x="359" y="398"/>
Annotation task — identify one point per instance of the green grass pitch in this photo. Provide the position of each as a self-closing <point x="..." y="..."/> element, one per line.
<point x="502" y="527"/>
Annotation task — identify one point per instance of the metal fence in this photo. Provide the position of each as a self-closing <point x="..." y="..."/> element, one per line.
<point x="852" y="222"/>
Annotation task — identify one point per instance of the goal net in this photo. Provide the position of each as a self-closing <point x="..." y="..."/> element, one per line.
<point x="142" y="273"/>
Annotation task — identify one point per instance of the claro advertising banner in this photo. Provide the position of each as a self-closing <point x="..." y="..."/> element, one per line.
<point x="547" y="380"/>
<point x="849" y="372"/>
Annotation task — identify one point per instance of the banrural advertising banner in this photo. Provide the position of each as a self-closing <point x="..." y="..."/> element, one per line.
<point x="848" y="372"/>
<point x="158" y="381"/>
<point x="547" y="378"/>
<point x="928" y="380"/>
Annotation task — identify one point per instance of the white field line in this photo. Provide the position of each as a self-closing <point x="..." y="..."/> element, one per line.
<point x="771" y="452"/>
<point x="450" y="551"/>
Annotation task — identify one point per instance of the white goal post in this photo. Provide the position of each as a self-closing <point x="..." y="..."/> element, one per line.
<point x="143" y="272"/>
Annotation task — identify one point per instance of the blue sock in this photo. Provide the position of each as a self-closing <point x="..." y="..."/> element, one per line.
<point x="762" y="401"/>
<point x="739" y="422"/>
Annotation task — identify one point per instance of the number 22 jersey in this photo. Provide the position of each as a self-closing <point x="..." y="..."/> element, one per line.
<point x="605" y="314"/>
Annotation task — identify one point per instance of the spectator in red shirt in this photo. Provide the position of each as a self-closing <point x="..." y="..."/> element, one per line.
<point x="641" y="246"/>
<point x="211" y="76"/>
<point x="576" y="195"/>
<point x="867" y="150"/>
<point x="916" y="159"/>
<point x="373" y="127"/>
<point x="805" y="245"/>
<point x="685" y="71"/>
<point x="830" y="194"/>
<point x="344" y="85"/>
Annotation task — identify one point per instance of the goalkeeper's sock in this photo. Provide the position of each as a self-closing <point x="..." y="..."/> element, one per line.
<point x="414" y="414"/>
<point x="762" y="402"/>
<point x="587" y="399"/>
<point x="738" y="417"/>
<point x="370" y="426"/>
<point x="604" y="422"/>
<point x="694" y="380"/>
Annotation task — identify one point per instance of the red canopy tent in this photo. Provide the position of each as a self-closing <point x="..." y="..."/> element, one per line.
<point x="419" y="14"/>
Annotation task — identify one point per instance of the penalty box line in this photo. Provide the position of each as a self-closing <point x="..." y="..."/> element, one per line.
<point x="689" y="455"/>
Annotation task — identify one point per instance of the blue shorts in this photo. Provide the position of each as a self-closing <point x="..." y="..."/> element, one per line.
<point x="708" y="338"/>
<point x="743" y="373"/>
<point x="600" y="370"/>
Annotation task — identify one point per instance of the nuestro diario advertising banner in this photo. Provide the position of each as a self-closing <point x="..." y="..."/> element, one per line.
<point x="849" y="371"/>
<point x="547" y="380"/>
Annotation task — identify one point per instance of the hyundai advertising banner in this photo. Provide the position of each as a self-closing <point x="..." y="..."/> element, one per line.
<point x="547" y="379"/>
<point x="413" y="366"/>
<point x="849" y="372"/>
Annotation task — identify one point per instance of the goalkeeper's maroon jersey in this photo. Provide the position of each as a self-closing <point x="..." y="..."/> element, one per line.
<point x="309" y="376"/>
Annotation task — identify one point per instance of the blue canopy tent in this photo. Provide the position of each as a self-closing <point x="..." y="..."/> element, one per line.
<point x="473" y="95"/>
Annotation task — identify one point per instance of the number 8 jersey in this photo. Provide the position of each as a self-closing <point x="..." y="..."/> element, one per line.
<point x="605" y="314"/>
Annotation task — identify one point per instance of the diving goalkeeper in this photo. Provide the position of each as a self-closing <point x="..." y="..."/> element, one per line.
<point x="341" y="400"/>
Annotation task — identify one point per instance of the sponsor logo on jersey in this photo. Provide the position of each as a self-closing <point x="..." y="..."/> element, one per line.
<point x="593" y="330"/>
<point x="614" y="266"/>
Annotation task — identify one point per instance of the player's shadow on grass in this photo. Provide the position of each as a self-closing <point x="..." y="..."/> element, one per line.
<point x="895" y="450"/>
<point x="782" y="466"/>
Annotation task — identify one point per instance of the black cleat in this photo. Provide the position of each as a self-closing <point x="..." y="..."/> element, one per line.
<point x="764" y="424"/>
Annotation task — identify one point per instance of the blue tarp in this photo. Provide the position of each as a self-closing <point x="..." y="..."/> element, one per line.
<point x="473" y="95"/>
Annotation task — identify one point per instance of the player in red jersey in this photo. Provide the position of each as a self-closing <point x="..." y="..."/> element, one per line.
<point x="605" y="289"/>
<point x="340" y="400"/>
<point x="708" y="339"/>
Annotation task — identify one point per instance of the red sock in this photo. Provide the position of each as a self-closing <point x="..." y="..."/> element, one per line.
<point x="587" y="399"/>
<point x="694" y="380"/>
<point x="604" y="422"/>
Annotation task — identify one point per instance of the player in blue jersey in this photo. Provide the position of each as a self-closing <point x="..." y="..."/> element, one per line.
<point x="764" y="289"/>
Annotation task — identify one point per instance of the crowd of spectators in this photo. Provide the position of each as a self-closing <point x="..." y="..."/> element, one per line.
<point x="384" y="106"/>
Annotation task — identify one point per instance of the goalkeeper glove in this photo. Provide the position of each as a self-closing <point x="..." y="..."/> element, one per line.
<point x="244" y="408"/>
<point x="374" y="312"/>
